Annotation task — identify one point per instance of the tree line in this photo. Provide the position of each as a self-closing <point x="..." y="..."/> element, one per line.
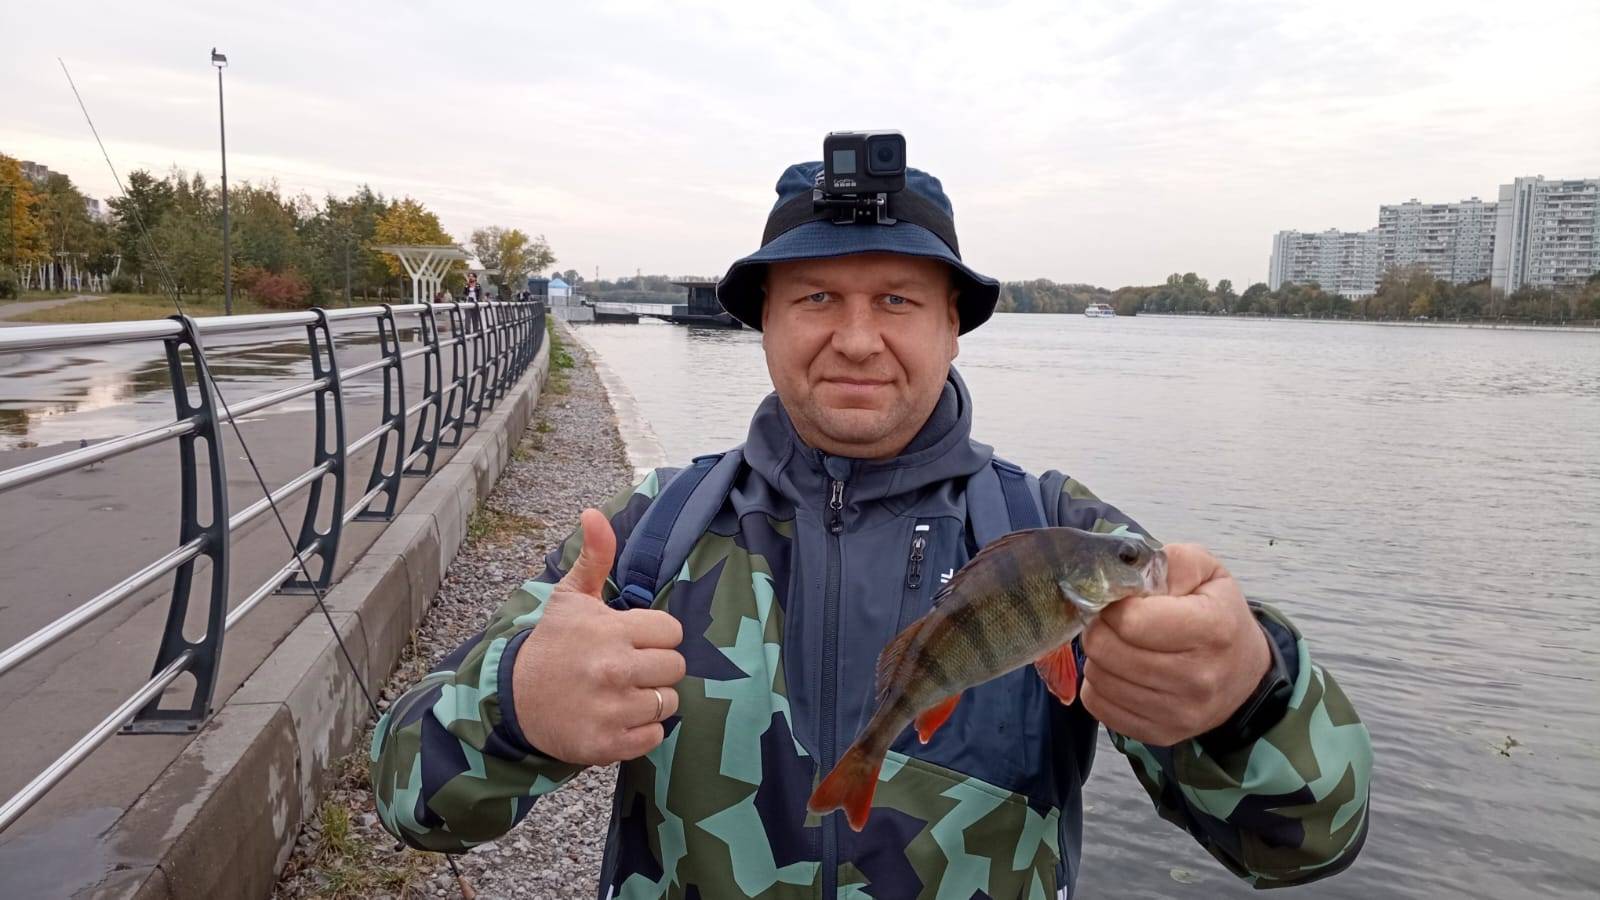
<point x="287" y="252"/>
<point x="1402" y="293"/>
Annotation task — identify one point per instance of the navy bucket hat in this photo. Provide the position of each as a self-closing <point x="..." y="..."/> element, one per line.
<point x="742" y="290"/>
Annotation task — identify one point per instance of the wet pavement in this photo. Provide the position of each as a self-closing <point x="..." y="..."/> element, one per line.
<point x="69" y="537"/>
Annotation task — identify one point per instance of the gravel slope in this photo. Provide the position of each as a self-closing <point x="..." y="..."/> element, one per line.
<point x="569" y="458"/>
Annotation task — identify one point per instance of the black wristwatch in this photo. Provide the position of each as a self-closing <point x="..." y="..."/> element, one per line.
<point x="1262" y="710"/>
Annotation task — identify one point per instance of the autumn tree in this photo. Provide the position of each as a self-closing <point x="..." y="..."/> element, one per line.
<point x="512" y="253"/>
<point x="409" y="222"/>
<point x="21" y="235"/>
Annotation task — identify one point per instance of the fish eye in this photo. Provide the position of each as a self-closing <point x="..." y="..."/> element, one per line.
<point x="1129" y="554"/>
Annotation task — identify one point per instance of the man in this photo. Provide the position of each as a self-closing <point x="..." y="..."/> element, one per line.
<point x="730" y="690"/>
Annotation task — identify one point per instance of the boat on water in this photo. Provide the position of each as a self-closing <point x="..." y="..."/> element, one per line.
<point x="1100" y="311"/>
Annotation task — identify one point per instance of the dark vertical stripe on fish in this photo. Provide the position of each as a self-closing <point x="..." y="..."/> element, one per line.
<point x="1023" y="602"/>
<point x="1021" y="597"/>
<point x="935" y="670"/>
<point x="972" y="627"/>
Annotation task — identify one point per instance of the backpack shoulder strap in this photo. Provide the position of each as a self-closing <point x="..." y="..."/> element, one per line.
<point x="1050" y="485"/>
<point x="1002" y="498"/>
<point x="660" y="543"/>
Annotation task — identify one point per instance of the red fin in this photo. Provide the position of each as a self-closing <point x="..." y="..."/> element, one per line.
<point x="849" y="787"/>
<point x="929" y="720"/>
<point x="1059" y="669"/>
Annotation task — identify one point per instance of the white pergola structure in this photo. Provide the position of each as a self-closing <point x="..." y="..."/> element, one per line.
<point x="427" y="265"/>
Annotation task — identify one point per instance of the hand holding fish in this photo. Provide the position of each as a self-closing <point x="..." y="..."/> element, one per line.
<point x="1164" y="668"/>
<point x="592" y="684"/>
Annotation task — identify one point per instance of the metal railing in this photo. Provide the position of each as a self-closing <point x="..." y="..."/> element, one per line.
<point x="490" y="345"/>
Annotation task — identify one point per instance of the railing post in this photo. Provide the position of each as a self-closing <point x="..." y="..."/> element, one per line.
<point x="428" y="427"/>
<point x="486" y="362"/>
<point x="315" y="543"/>
<point x="206" y="658"/>
<point x="477" y="383"/>
<point x="497" y="332"/>
<point x="394" y="422"/>
<point x="455" y="408"/>
<point x="526" y="341"/>
<point x="519" y="342"/>
<point x="513" y="344"/>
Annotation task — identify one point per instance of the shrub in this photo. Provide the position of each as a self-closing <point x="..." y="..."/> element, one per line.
<point x="8" y="283"/>
<point x="121" y="284"/>
<point x="276" y="290"/>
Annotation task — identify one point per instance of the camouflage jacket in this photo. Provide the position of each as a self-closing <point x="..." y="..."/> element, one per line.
<point x="785" y="604"/>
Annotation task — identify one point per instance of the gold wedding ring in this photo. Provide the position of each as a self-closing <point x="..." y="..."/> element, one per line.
<point x="660" y="704"/>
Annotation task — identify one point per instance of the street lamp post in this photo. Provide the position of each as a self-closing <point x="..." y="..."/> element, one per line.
<point x="221" y="62"/>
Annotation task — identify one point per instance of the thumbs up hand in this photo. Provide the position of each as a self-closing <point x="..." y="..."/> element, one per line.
<point x="592" y="684"/>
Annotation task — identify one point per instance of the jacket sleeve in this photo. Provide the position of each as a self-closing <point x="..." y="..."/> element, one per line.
<point x="450" y="767"/>
<point x="1287" y="809"/>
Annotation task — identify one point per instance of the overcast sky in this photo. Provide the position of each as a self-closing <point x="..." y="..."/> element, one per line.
<point x="1106" y="142"/>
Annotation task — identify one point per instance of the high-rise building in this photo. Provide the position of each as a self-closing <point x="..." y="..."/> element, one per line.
<point x="1547" y="233"/>
<point x="1454" y="241"/>
<point x="1342" y="262"/>
<point x="38" y="173"/>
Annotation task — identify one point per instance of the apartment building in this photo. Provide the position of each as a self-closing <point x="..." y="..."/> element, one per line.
<point x="1343" y="262"/>
<point x="1547" y="233"/>
<point x="1454" y="241"/>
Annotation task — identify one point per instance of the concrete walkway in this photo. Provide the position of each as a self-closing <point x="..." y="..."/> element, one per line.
<point x="64" y="539"/>
<point x="22" y="308"/>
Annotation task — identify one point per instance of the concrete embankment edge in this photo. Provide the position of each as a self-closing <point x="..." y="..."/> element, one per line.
<point x="639" y="440"/>
<point x="221" y="821"/>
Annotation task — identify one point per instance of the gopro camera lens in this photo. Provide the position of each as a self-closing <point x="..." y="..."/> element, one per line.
<point x="886" y="155"/>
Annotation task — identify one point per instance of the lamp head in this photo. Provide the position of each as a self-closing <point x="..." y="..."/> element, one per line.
<point x="218" y="59"/>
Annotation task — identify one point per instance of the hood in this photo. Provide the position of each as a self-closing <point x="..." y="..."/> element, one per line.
<point x="942" y="450"/>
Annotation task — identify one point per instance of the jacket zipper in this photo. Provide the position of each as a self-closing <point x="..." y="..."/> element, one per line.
<point x="830" y="656"/>
<point x="919" y="544"/>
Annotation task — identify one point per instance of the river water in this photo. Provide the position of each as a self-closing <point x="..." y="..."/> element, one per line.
<point x="1422" y="501"/>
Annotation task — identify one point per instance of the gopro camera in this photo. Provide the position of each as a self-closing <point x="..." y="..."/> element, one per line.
<point x="860" y="169"/>
<point x="863" y="162"/>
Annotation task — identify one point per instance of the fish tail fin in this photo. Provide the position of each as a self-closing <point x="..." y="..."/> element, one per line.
<point x="849" y="787"/>
<point x="930" y="719"/>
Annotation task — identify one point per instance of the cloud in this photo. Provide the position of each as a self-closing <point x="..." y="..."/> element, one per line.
<point x="1109" y="142"/>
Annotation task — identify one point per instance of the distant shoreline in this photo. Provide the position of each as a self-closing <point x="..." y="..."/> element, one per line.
<point x="1491" y="326"/>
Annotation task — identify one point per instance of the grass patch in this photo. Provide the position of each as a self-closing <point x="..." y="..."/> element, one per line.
<point x="492" y="525"/>
<point x="560" y="360"/>
<point x="346" y="868"/>
<point x="130" y="307"/>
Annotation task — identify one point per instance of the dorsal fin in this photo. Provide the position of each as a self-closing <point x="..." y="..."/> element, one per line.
<point x="1010" y="543"/>
<point x="893" y="654"/>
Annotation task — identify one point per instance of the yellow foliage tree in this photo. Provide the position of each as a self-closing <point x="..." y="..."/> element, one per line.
<point x="21" y="232"/>
<point x="408" y="222"/>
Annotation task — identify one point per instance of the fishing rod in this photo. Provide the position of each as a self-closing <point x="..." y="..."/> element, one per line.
<point x="169" y="282"/>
